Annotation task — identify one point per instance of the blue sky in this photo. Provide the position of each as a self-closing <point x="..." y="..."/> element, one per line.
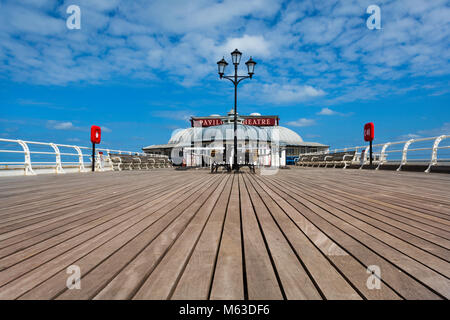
<point x="140" y="69"/>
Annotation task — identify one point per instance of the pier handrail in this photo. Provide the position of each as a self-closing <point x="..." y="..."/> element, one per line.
<point x="405" y="148"/>
<point x="102" y="156"/>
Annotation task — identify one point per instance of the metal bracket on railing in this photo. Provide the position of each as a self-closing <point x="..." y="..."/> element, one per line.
<point x="99" y="162"/>
<point x="433" y="161"/>
<point x="58" y="167"/>
<point x="405" y="153"/>
<point x="27" y="163"/>
<point x="382" y="155"/>
<point x="365" y="159"/>
<point x="345" y="162"/>
<point x="80" y="159"/>
<point x="109" y="158"/>
<point x="312" y="161"/>
<point x="325" y="159"/>
<point x="354" y="159"/>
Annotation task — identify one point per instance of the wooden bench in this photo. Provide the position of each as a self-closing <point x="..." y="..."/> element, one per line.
<point x="336" y="159"/>
<point x="148" y="162"/>
<point x="121" y="162"/>
<point x="344" y="158"/>
<point x="138" y="162"/>
<point x="303" y="160"/>
<point x="319" y="160"/>
<point x="215" y="167"/>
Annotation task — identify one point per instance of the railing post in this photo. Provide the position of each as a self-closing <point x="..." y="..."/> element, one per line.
<point x="58" y="168"/>
<point x="382" y="155"/>
<point x="405" y="153"/>
<point x="434" y="152"/>
<point x="27" y="163"/>
<point x="80" y="159"/>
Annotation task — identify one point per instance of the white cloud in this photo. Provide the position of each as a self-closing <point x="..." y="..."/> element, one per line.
<point x="29" y="102"/>
<point x="409" y="136"/>
<point x="434" y="132"/>
<point x="173" y="114"/>
<point x="302" y="122"/>
<point x="327" y="112"/>
<point x="324" y="46"/>
<point x="180" y="16"/>
<point x="106" y="129"/>
<point x="257" y="45"/>
<point x="289" y="93"/>
<point x="60" y="125"/>
<point x="444" y="129"/>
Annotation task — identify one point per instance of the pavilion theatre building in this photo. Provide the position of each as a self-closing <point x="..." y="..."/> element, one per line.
<point x="261" y="141"/>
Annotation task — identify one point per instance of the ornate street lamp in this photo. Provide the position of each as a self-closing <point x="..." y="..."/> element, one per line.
<point x="236" y="59"/>
<point x="250" y="66"/>
<point x="222" y="64"/>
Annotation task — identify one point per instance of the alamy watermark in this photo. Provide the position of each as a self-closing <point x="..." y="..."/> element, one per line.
<point x="374" y="21"/>
<point x="74" y="280"/>
<point x="74" y="20"/>
<point x="374" y="280"/>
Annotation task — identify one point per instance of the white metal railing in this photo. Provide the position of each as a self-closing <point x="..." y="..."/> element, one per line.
<point x="82" y="154"/>
<point x="383" y="157"/>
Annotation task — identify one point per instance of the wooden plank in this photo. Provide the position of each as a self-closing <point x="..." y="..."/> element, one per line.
<point x="330" y="280"/>
<point x="382" y="208"/>
<point x="82" y="197"/>
<point x="262" y="283"/>
<point x="295" y="280"/>
<point x="228" y="281"/>
<point x="164" y="232"/>
<point x="163" y="279"/>
<point x="25" y="227"/>
<point x="122" y="201"/>
<point x="299" y="234"/>
<point x="402" y="283"/>
<point x="76" y="236"/>
<point x="412" y="235"/>
<point x="86" y="243"/>
<point x="196" y="280"/>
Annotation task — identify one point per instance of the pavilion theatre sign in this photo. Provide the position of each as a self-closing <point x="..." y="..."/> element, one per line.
<point x="260" y="122"/>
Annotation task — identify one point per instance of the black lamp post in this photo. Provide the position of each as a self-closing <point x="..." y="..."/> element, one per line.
<point x="236" y="58"/>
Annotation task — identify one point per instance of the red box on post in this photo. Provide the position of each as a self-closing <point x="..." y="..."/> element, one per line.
<point x="96" y="134"/>
<point x="369" y="131"/>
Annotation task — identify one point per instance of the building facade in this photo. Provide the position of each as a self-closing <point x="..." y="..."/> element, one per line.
<point x="261" y="141"/>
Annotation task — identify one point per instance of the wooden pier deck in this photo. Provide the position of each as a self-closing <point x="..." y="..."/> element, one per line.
<point x="303" y="233"/>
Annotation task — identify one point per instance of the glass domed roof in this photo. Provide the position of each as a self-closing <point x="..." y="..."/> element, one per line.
<point x="285" y="136"/>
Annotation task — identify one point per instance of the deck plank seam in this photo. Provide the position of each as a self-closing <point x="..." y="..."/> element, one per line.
<point x="220" y="242"/>
<point x="340" y="246"/>
<point x="309" y="239"/>
<point x="317" y="197"/>
<point x="175" y="284"/>
<point x="390" y="262"/>
<point x="160" y="258"/>
<point x="88" y="252"/>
